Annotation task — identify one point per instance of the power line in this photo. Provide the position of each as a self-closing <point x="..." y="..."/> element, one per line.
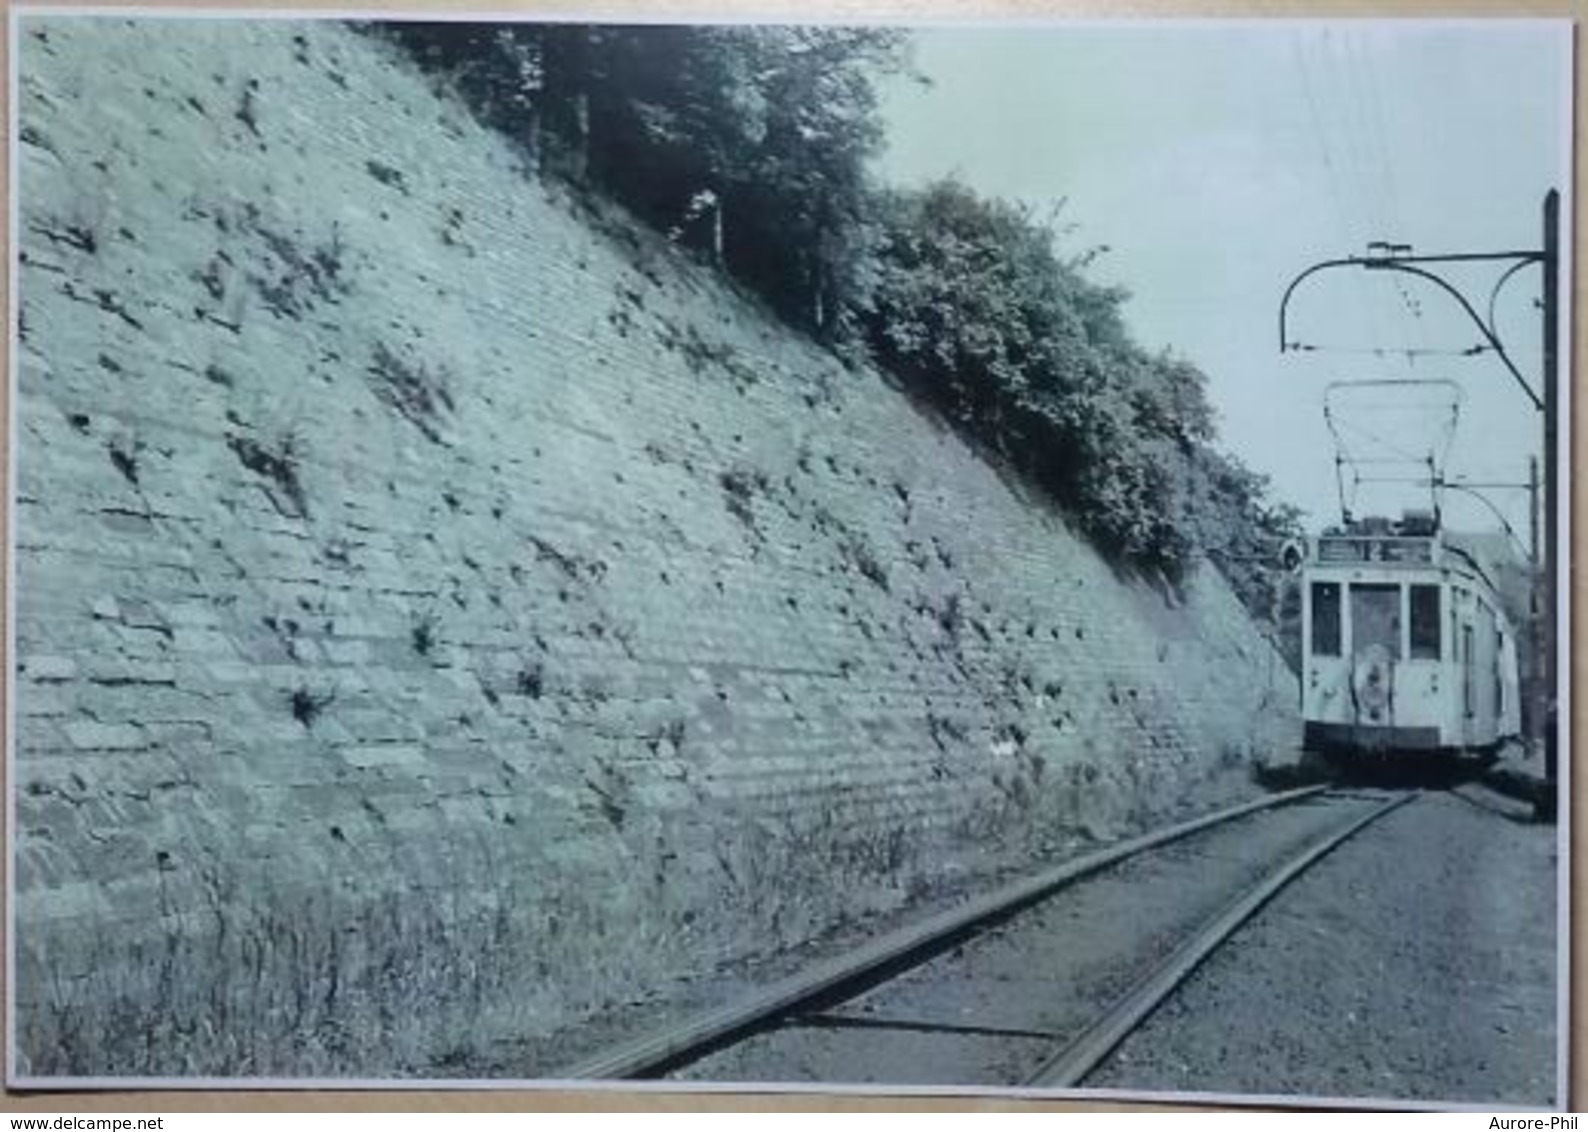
<point x="1333" y="178"/>
<point x="1371" y="95"/>
<point x="1358" y="161"/>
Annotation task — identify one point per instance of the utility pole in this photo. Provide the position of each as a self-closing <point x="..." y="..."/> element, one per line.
<point x="1538" y="699"/>
<point x="1551" y="322"/>
<point x="1385" y="256"/>
<point x="1533" y="516"/>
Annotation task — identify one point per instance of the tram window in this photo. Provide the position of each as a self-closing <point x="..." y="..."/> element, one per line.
<point x="1326" y="619"/>
<point x="1425" y="622"/>
<point x="1376" y="617"/>
<point x="1499" y="685"/>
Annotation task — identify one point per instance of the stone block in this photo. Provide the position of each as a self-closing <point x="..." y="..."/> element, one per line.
<point x="88" y="735"/>
<point x="48" y="669"/>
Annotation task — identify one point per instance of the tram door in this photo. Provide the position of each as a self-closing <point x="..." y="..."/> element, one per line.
<point x="1375" y="650"/>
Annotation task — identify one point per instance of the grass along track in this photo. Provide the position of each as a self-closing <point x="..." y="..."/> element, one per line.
<point x="844" y="977"/>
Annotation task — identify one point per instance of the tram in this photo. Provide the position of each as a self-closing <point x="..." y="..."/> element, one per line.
<point x="1405" y="647"/>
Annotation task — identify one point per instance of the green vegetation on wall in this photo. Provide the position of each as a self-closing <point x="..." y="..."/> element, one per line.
<point x="750" y="146"/>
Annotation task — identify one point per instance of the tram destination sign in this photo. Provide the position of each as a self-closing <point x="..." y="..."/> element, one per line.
<point x="1414" y="550"/>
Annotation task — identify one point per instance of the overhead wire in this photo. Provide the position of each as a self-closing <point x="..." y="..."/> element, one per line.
<point x="1355" y="128"/>
<point x="1403" y="455"/>
<point x="1342" y="98"/>
<point x="1333" y="167"/>
<point x="1356" y="415"/>
<point x="1334" y="48"/>
<point x="1363" y="69"/>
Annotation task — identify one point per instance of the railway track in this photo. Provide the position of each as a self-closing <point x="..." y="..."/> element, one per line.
<point x="1034" y="984"/>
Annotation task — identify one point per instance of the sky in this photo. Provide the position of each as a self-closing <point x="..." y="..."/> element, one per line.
<point x="1216" y="161"/>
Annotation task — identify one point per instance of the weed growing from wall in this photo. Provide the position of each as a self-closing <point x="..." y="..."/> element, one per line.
<point x="277" y="464"/>
<point x="418" y="393"/>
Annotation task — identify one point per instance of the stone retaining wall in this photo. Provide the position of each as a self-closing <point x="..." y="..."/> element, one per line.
<point x="444" y="612"/>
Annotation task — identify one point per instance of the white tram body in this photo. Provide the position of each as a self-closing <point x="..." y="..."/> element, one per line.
<point x="1405" y="646"/>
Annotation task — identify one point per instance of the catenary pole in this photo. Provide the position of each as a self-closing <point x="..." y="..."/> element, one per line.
<point x="1551" y="322"/>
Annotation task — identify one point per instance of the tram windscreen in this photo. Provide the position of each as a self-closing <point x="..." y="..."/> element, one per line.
<point x="1376" y="618"/>
<point x="1325" y="618"/>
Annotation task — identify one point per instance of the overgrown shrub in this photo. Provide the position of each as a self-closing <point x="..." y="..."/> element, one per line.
<point x="975" y="310"/>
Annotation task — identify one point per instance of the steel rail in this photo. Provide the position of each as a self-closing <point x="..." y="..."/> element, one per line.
<point x="651" y="1054"/>
<point x="1069" y="1066"/>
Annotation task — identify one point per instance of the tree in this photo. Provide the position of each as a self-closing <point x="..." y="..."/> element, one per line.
<point x="750" y="145"/>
